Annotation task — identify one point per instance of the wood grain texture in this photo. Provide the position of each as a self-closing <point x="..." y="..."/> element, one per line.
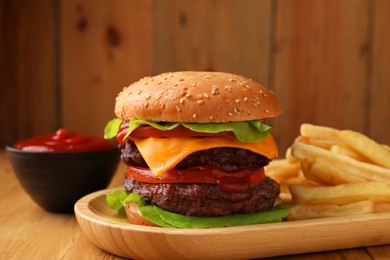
<point x="114" y="234"/>
<point x="327" y="60"/>
<point x="105" y="46"/>
<point x="27" y="69"/>
<point x="29" y="232"/>
<point x="321" y="64"/>
<point x="230" y="36"/>
<point x="379" y="91"/>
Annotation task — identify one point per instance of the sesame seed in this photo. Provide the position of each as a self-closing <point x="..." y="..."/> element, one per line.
<point x="200" y="102"/>
<point x="181" y="100"/>
<point x="199" y="96"/>
<point x="174" y="84"/>
<point x="235" y="110"/>
<point x="264" y="94"/>
<point x="193" y="84"/>
<point x="245" y="99"/>
<point x="194" y="115"/>
<point x="139" y="92"/>
<point x="148" y="97"/>
<point x="237" y="100"/>
<point x="146" y="105"/>
<point x="145" y="83"/>
<point x="183" y="93"/>
<point x="162" y="106"/>
<point x="229" y="88"/>
<point x="185" y="88"/>
<point x="256" y="97"/>
<point x="230" y="114"/>
<point x="206" y="95"/>
<point x="211" y="117"/>
<point x="207" y="77"/>
<point x="261" y="91"/>
<point x="214" y="90"/>
<point x="266" y="110"/>
<point x="232" y="80"/>
<point x="178" y="109"/>
<point x="188" y="95"/>
<point x="181" y="79"/>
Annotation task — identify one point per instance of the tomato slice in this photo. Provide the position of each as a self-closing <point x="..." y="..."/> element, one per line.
<point x="149" y="131"/>
<point x="230" y="181"/>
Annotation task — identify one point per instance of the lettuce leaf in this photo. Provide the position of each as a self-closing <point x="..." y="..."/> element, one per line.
<point x="164" y="126"/>
<point x="115" y="198"/>
<point x="245" y="131"/>
<point x="174" y="220"/>
<point x="112" y="128"/>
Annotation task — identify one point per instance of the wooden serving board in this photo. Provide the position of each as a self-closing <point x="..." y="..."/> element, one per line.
<point x="114" y="234"/>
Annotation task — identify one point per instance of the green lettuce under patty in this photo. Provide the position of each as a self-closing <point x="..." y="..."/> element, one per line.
<point x="245" y="131"/>
<point x="173" y="220"/>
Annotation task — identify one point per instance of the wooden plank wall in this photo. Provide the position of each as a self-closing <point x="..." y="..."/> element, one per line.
<point x="27" y="69"/>
<point x="63" y="62"/>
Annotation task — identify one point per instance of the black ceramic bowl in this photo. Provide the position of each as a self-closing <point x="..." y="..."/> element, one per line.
<point x="56" y="180"/>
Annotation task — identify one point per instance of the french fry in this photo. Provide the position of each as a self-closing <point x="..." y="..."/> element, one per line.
<point x="348" y="151"/>
<point x="366" y="146"/>
<point x="291" y="159"/>
<point x="330" y="210"/>
<point x="340" y="194"/>
<point x="306" y="166"/>
<point x="300" y="180"/>
<point x="322" y="143"/>
<point x="365" y="170"/>
<point x="285" y="197"/>
<point x="319" y="132"/>
<point x="386" y="147"/>
<point x="323" y="171"/>
<point x="282" y="169"/>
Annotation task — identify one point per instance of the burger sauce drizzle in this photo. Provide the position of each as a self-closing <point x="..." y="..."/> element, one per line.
<point x="64" y="141"/>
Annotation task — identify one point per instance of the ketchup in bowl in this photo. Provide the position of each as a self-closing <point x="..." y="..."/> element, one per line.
<point x="64" y="141"/>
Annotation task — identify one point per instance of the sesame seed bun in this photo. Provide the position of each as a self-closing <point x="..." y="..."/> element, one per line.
<point x="197" y="97"/>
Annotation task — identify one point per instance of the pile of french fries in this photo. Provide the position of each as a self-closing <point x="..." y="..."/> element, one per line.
<point x="329" y="172"/>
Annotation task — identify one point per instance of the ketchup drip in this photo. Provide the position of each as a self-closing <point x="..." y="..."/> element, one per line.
<point x="64" y="141"/>
<point x="230" y="181"/>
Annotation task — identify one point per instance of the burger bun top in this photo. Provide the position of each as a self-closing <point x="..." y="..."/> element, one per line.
<point x="196" y="97"/>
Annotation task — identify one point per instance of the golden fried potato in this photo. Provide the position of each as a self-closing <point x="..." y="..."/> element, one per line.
<point x="367" y="147"/>
<point x="340" y="194"/>
<point x="299" y="212"/>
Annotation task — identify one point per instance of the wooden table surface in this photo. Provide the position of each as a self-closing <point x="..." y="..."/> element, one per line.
<point x="29" y="232"/>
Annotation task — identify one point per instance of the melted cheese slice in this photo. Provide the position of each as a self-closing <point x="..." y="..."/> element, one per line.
<point x="163" y="154"/>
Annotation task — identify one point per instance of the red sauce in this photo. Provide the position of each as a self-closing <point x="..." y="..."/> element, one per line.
<point x="64" y="141"/>
<point x="233" y="181"/>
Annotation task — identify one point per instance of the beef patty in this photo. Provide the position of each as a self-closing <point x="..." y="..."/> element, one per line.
<point x="225" y="158"/>
<point x="202" y="199"/>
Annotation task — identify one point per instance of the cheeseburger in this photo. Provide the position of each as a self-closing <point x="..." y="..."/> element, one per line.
<point x="195" y="145"/>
